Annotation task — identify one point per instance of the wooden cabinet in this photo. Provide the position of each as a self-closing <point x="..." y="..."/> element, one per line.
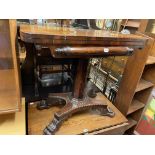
<point x="149" y="71"/>
<point x="136" y="85"/>
<point x="10" y="96"/>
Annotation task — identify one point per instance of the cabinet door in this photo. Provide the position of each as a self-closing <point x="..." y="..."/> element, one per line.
<point x="10" y="96"/>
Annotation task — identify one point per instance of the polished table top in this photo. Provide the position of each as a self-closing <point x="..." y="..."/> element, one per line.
<point x="62" y="35"/>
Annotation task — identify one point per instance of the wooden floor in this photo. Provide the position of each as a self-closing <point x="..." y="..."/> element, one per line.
<point x="90" y="120"/>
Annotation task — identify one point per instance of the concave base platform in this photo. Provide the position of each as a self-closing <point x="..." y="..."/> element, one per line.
<point x="71" y="106"/>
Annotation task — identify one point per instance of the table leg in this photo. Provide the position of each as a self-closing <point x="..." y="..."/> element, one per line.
<point x="80" y="78"/>
<point x="77" y="101"/>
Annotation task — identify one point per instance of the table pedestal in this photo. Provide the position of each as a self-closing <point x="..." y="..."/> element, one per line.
<point x="74" y="102"/>
<point x="73" y="105"/>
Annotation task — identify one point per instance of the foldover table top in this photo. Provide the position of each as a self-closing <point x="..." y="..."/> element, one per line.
<point x="62" y="35"/>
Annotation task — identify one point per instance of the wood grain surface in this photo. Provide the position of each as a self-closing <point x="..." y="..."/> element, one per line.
<point x="69" y="36"/>
<point x="131" y="81"/>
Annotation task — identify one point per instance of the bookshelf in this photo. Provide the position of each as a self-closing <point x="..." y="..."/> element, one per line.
<point x="136" y="85"/>
<point x="134" y="25"/>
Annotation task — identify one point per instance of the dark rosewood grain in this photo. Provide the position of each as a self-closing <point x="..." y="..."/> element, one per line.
<point x="71" y="36"/>
<point x="80" y="80"/>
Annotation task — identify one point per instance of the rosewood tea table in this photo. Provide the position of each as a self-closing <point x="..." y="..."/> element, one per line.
<point x="79" y="45"/>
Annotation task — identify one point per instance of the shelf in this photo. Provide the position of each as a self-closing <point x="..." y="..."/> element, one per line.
<point x="150" y="60"/>
<point x="134" y="24"/>
<point x="135" y="105"/>
<point x="8" y="100"/>
<point x="131" y="123"/>
<point x="143" y="85"/>
<point x="14" y="123"/>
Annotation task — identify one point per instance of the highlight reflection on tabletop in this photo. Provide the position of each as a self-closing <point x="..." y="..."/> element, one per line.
<point x="46" y="29"/>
